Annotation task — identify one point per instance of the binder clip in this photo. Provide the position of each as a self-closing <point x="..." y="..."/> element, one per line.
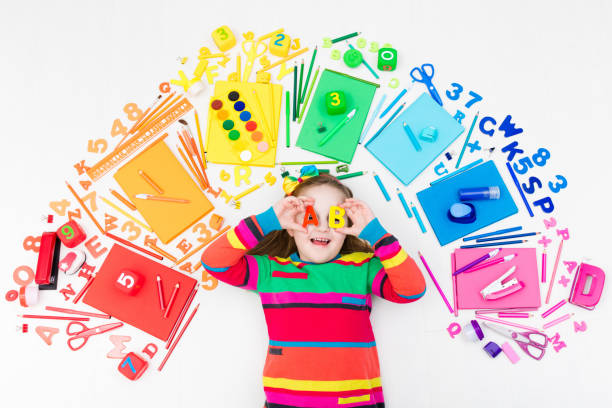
<point x="499" y="289"/>
<point x="587" y="287"/>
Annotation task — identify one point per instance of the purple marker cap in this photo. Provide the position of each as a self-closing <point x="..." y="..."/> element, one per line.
<point x="477" y="329"/>
<point x="493" y="349"/>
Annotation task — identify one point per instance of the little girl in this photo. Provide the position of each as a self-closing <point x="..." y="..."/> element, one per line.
<point x="315" y="285"/>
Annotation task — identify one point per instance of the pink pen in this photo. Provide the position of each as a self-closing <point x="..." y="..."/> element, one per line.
<point x="544" y="266"/>
<point x="493" y="262"/>
<point x="513" y="315"/>
<point x="436" y="283"/>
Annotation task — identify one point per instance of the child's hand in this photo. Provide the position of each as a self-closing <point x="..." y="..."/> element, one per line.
<point x="287" y="209"/>
<point x="359" y="213"/>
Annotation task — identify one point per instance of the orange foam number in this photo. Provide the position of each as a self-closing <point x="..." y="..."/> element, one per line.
<point x="118" y="128"/>
<point x="91" y="197"/>
<point x="118" y="342"/>
<point x="164" y="87"/>
<point x="109" y="222"/>
<point x="31" y="243"/>
<point x="186" y="267"/>
<point x="60" y="206"/>
<point x="81" y="167"/>
<point x="97" y="146"/>
<point x="94" y="247"/>
<point x="133" y="112"/>
<point x="132" y="228"/>
<point x="184" y="246"/>
<point x="202" y="230"/>
<point x="46" y="333"/>
<point x="310" y="217"/>
<point x="215" y="222"/>
<point x="85" y="184"/>
<point x="209" y="282"/>
<point x="19" y="280"/>
<point x="336" y="217"/>
<point x="74" y="214"/>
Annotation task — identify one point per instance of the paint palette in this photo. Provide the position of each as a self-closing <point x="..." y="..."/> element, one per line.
<point x="242" y="123"/>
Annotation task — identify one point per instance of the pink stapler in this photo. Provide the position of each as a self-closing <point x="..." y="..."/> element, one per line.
<point x="587" y="287"/>
<point x="498" y="288"/>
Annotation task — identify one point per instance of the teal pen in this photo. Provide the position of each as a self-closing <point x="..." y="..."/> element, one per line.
<point x="387" y="122"/>
<point x="338" y="127"/>
<point x="382" y="187"/>
<point x="467" y="139"/>
<point x="412" y="137"/>
<point x="418" y="218"/>
<point x="369" y="125"/>
<point x="404" y="204"/>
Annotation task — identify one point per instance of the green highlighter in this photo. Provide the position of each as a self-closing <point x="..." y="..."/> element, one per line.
<point x="338" y="127"/>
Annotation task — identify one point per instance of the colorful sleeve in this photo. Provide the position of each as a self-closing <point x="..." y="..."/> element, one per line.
<point x="392" y="274"/>
<point x="225" y="258"/>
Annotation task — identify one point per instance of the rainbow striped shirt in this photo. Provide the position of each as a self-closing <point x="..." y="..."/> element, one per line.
<point x="322" y="351"/>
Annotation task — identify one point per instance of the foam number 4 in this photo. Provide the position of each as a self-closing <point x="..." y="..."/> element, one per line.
<point x="556" y="187"/>
<point x="59" y="207"/>
<point x="118" y="128"/>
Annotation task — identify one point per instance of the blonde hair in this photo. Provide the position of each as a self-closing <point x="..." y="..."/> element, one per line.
<point x="280" y="243"/>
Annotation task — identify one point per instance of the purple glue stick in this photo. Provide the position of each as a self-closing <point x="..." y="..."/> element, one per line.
<point x="479" y="193"/>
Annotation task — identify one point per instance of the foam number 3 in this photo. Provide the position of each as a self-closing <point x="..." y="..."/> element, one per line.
<point x="202" y="230"/>
<point x="335" y="98"/>
<point x="556" y="187"/>
<point x="222" y="34"/>
<point x="132" y="228"/>
<point x="335" y="55"/>
<point x="456" y="92"/>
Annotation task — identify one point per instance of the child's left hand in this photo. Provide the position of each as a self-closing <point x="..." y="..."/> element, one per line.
<point x="359" y="213"/>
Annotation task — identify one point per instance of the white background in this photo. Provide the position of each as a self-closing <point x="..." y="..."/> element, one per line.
<point x="69" y="67"/>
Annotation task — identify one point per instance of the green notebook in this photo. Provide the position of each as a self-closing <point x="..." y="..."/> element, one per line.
<point x="342" y="145"/>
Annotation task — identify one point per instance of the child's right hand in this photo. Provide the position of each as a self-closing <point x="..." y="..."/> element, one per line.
<point x="288" y="208"/>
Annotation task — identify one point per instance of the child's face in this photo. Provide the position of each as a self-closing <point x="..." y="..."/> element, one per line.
<point x="322" y="243"/>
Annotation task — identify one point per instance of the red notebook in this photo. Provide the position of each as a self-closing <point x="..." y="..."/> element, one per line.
<point x="142" y="309"/>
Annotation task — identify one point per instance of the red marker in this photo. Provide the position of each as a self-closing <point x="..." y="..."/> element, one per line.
<point x="171" y="301"/>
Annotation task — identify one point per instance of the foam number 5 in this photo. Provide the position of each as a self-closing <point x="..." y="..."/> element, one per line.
<point x="97" y="146"/>
<point x="125" y="280"/>
<point x="525" y="163"/>
<point x="456" y="92"/>
<point x="335" y="98"/>
<point x="556" y="187"/>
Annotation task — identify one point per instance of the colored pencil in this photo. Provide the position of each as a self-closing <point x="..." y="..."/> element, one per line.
<point x="557" y="321"/>
<point x="454" y="173"/>
<point x="379" y="131"/>
<point x="404" y="203"/>
<point x="172" y="299"/>
<point x="270" y="34"/>
<point x="371" y="121"/>
<point x="74" y="319"/>
<point x="467" y="139"/>
<point x="345" y="37"/>
<point x="128" y="243"/>
<point x="552" y="278"/>
<point x="412" y="137"/>
<point x="299" y="163"/>
<point x="488" y="244"/>
<point x="498" y="232"/>
<point x="191" y="169"/>
<point x="552" y="309"/>
<point x="314" y="80"/>
<point x="490" y="254"/>
<point x="150" y="182"/>
<point x="491" y="263"/>
<point x="178" y="322"/>
<point x="287" y="58"/>
<point x="84" y="289"/>
<point x="247" y="191"/>
<point x="160" y="251"/>
<point x="418" y="218"/>
<point x="178" y="338"/>
<point x="436" y="283"/>
<point x="294" y="117"/>
<point x="192" y="157"/>
<point x="527" y="234"/>
<point x="518" y="187"/>
<point x="202" y="245"/>
<point x="393" y="102"/>
<point x="299" y="95"/>
<point x="351" y="175"/>
<point x="157" y="112"/>
<point x="514" y="315"/>
<point x="109" y="203"/>
<point x="123" y="200"/>
<point x="77" y="312"/>
<point x="365" y="64"/>
<point x="520" y="326"/>
<point x="287" y="117"/>
<point x="544" y="266"/>
<point x="382" y="187"/>
<point x="160" y="293"/>
<point x="312" y="60"/>
<point x="82" y="204"/>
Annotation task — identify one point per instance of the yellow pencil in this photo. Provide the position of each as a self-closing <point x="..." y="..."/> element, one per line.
<point x="248" y="191"/>
<point x="197" y="120"/>
<point x="143" y="225"/>
<point x="239" y="68"/>
<point x="287" y="58"/>
<point x="272" y="34"/>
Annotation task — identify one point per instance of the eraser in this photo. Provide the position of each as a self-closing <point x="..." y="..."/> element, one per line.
<point x="510" y="353"/>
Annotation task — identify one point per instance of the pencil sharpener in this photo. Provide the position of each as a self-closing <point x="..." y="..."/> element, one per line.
<point x="133" y="366"/>
<point x="129" y="282"/>
<point x="429" y="134"/>
<point x="71" y="234"/>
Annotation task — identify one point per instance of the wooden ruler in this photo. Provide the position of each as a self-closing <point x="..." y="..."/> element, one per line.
<point x="136" y="142"/>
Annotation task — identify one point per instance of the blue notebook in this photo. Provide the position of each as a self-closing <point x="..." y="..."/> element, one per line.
<point x="437" y="199"/>
<point x="396" y="152"/>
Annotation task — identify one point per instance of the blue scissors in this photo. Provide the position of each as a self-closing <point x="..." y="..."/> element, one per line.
<point x="533" y="343"/>
<point x="425" y="78"/>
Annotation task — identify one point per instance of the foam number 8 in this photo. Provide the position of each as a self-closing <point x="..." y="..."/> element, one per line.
<point x="374" y="46"/>
<point x="32" y="243"/>
<point x="132" y="111"/>
<point x="556" y="187"/>
<point x="67" y="231"/>
<point x="541" y="157"/>
<point x="279" y="45"/>
<point x="335" y="55"/>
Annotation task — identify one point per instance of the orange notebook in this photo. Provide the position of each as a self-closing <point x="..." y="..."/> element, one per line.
<point x="167" y="219"/>
<point x="142" y="309"/>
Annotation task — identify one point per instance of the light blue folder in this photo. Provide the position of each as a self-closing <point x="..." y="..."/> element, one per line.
<point x="437" y="199"/>
<point x="394" y="149"/>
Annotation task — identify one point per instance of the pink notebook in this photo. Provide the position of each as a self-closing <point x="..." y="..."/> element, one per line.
<point x="467" y="286"/>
